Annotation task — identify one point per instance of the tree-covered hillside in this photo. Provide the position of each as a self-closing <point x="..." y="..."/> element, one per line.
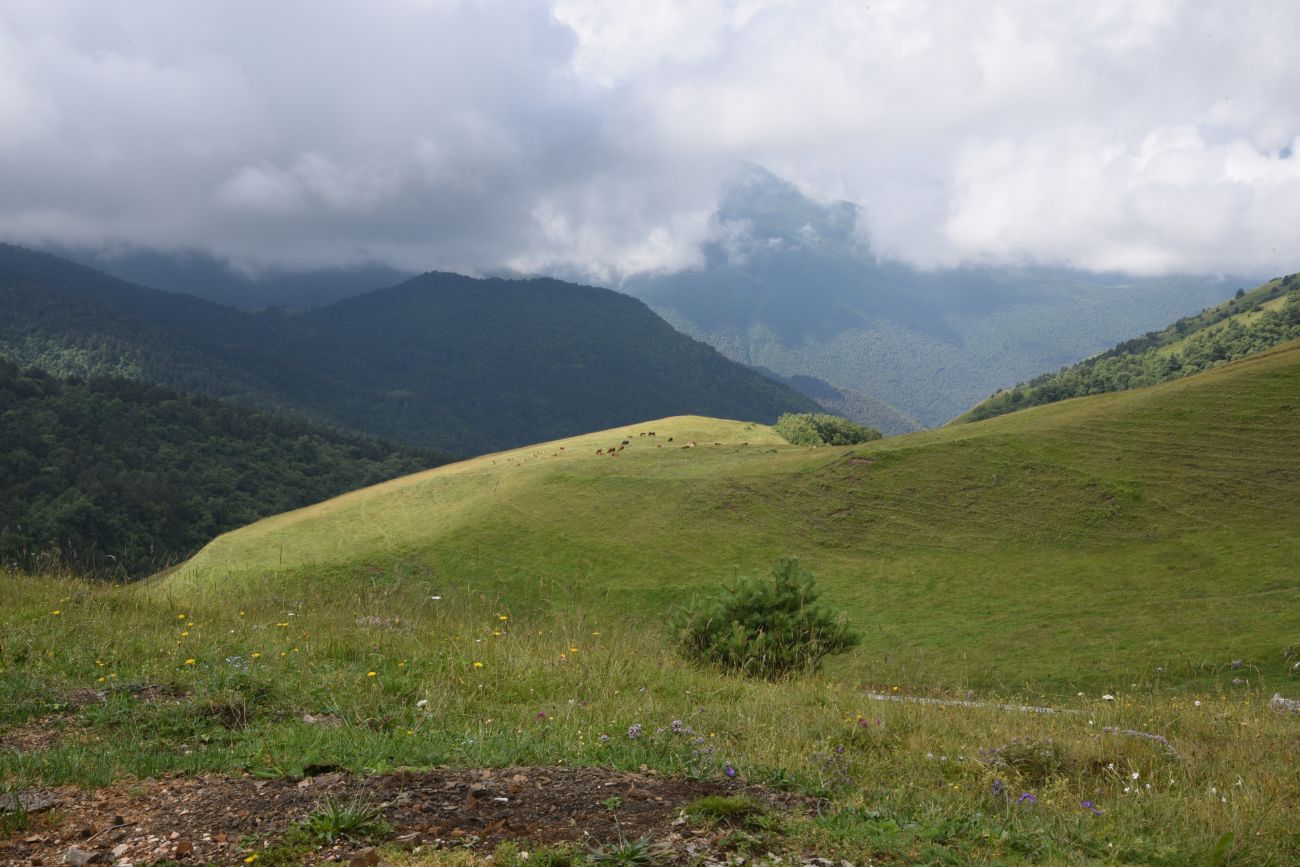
<point x="440" y="361"/>
<point x="119" y="478"/>
<point x="1253" y="321"/>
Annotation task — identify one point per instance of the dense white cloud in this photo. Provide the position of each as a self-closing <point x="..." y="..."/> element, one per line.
<point x="590" y="138"/>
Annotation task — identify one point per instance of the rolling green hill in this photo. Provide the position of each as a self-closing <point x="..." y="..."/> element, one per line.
<point x="119" y="478"/>
<point x="1250" y="322"/>
<point x="441" y="361"/>
<point x="1082" y="543"/>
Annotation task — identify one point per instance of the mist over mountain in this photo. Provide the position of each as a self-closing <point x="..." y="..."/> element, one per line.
<point x="204" y="275"/>
<point x="794" y="285"/>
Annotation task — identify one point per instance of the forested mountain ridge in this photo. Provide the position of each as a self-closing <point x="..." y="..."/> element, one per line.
<point x="440" y="361"/>
<point x="119" y="477"/>
<point x="1250" y="322"/>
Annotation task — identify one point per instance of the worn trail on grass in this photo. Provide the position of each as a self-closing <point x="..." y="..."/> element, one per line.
<point x="224" y="820"/>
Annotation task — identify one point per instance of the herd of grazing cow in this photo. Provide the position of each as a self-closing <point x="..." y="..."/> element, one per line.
<point x="614" y="450"/>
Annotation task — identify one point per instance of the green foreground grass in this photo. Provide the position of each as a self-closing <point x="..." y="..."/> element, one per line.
<point x="511" y="609"/>
<point x="419" y="681"/>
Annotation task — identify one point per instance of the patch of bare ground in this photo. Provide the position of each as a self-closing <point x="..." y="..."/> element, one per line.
<point x="224" y="820"/>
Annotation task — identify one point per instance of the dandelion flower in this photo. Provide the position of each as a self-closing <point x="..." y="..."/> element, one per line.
<point x="185" y="635"/>
<point x="370" y="674"/>
<point x="503" y="618"/>
<point x="478" y="665"/>
<point x="180" y="616"/>
<point x="189" y="662"/>
<point x="56" y="612"/>
<point x="573" y="650"/>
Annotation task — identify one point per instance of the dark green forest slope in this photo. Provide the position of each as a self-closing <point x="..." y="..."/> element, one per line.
<point x="440" y="361"/>
<point x="118" y="477"/>
<point x="1253" y="321"/>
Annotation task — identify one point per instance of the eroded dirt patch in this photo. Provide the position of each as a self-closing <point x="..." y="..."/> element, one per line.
<point x="223" y="820"/>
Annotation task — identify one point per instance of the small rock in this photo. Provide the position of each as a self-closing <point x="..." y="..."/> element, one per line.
<point x="1236" y="663"/>
<point x="78" y="857"/>
<point x="368" y="857"/>
<point x="1285" y="705"/>
<point x="119" y="850"/>
<point x="1237" y="681"/>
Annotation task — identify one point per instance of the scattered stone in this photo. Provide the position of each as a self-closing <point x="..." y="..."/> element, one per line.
<point x="323" y="719"/>
<point x="119" y="850"/>
<point x="1236" y="663"/>
<point x="1237" y="681"/>
<point x="368" y="857"/>
<point x="28" y="801"/>
<point x="79" y="857"/>
<point x="1284" y="705"/>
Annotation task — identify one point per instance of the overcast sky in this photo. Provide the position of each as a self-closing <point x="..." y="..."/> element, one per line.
<point x="592" y="138"/>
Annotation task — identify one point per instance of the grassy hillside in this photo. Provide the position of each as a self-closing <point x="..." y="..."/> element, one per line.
<point x="119" y="478"/>
<point x="508" y="611"/>
<point x="1252" y="321"/>
<point x="1146" y="535"/>
<point x="440" y="361"/>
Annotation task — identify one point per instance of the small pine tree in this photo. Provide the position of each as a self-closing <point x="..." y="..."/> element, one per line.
<point x="763" y="628"/>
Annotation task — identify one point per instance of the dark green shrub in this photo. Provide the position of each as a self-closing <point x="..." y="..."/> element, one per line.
<point x="821" y="429"/>
<point x="764" y="628"/>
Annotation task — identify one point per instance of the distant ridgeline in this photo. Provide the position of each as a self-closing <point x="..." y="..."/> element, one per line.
<point x="1253" y="321"/>
<point x="120" y="478"/>
<point x="441" y="361"/>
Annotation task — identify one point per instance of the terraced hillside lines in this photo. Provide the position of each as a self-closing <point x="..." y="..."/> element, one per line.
<point x="1142" y="529"/>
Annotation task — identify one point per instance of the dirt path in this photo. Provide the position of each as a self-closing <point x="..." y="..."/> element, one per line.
<point x="224" y="820"/>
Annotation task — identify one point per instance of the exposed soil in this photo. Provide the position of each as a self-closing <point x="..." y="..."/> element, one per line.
<point x="223" y="820"/>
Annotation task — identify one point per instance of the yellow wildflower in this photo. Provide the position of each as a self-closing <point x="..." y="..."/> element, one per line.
<point x="189" y="662"/>
<point x="478" y="665"/>
<point x="370" y="674"/>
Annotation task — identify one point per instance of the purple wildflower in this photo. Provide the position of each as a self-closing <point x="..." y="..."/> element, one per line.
<point x="604" y="739"/>
<point x="731" y="772"/>
<point x="1027" y="798"/>
<point x="676" y="726"/>
<point x="634" y="731"/>
<point x="541" y="714"/>
<point x="1090" y="807"/>
<point x="999" y="788"/>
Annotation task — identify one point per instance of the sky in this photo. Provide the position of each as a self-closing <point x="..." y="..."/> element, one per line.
<point x="594" y="139"/>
